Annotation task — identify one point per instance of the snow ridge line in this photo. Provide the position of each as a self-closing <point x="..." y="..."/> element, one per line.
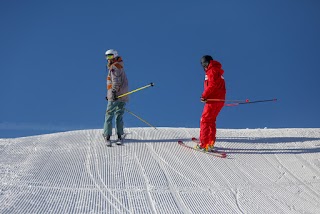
<point x="147" y="182"/>
<point x="52" y="173"/>
<point x="147" y="186"/>
<point x="234" y="193"/>
<point x="100" y="188"/>
<point x="284" y="189"/>
<point x="178" y="200"/>
<point x="108" y="189"/>
<point x="311" y="191"/>
<point x="181" y="174"/>
<point x="270" y="190"/>
<point x="88" y="161"/>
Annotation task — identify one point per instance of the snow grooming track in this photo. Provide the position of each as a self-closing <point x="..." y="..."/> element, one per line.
<point x="271" y="171"/>
<point x="173" y="197"/>
<point x="170" y="186"/>
<point x="220" y="181"/>
<point x="96" y="177"/>
<point x="291" y="170"/>
<point x="264" y="175"/>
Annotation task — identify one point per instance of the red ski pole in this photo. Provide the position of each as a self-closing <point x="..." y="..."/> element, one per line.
<point x="222" y="100"/>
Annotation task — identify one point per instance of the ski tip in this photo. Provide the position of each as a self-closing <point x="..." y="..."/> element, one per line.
<point x="194" y="138"/>
<point x="223" y="155"/>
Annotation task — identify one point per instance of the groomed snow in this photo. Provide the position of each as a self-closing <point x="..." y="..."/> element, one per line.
<point x="266" y="171"/>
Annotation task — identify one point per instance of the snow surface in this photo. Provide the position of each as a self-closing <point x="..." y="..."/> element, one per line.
<point x="267" y="171"/>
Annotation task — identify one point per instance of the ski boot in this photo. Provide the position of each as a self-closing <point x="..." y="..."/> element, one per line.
<point x="107" y="140"/>
<point x="199" y="147"/>
<point x="211" y="147"/>
<point x="120" y="140"/>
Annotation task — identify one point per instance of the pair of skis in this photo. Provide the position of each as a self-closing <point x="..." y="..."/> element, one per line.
<point x="118" y="142"/>
<point x="215" y="153"/>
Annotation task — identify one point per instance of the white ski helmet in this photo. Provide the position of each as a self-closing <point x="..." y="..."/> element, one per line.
<point x="112" y="52"/>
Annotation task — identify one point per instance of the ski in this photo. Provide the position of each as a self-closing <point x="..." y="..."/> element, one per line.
<point x="118" y="142"/>
<point x="213" y="153"/>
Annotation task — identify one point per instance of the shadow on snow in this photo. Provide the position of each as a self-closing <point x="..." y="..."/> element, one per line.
<point x="248" y="140"/>
<point x="269" y="151"/>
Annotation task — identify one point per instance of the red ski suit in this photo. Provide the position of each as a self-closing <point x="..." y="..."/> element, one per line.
<point x="214" y="88"/>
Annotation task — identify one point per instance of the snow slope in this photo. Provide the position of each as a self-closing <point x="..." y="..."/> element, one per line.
<point x="267" y="171"/>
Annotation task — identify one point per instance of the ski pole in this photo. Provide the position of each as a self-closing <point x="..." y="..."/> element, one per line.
<point x="138" y="89"/>
<point x="140" y="119"/>
<point x="250" y="102"/>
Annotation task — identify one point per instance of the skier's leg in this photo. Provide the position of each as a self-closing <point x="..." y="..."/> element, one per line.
<point x="107" y="129"/>
<point x="119" y="118"/>
<point x="213" y="129"/>
<point x="206" y="126"/>
<point x="212" y="134"/>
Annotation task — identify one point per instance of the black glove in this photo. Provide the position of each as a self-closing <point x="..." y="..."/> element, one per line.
<point x="202" y="99"/>
<point x="114" y="96"/>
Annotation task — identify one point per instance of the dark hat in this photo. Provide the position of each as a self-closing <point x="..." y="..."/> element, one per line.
<point x="205" y="60"/>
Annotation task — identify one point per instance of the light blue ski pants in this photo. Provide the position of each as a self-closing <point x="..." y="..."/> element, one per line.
<point x="114" y="108"/>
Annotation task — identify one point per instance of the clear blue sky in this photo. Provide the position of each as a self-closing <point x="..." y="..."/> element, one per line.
<point x="52" y="65"/>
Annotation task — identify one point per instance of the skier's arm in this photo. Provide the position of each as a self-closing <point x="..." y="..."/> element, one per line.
<point x="116" y="79"/>
<point x="211" y="85"/>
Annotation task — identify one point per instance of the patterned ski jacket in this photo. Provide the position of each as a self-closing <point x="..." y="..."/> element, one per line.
<point x="214" y="84"/>
<point x="117" y="80"/>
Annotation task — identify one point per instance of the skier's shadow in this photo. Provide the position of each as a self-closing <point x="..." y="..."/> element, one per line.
<point x="271" y="140"/>
<point x="220" y="144"/>
<point x="133" y="138"/>
<point x="266" y="141"/>
<point x="269" y="151"/>
<point x="173" y="140"/>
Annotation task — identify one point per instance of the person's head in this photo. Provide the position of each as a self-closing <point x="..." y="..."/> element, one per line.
<point x="205" y="60"/>
<point x="111" y="54"/>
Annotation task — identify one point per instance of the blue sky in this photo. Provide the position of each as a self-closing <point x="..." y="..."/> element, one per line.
<point x="52" y="70"/>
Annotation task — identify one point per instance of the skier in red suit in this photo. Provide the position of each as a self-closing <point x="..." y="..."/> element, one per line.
<point x="214" y="88"/>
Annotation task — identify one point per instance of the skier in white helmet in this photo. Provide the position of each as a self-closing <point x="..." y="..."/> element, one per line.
<point x="117" y="84"/>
